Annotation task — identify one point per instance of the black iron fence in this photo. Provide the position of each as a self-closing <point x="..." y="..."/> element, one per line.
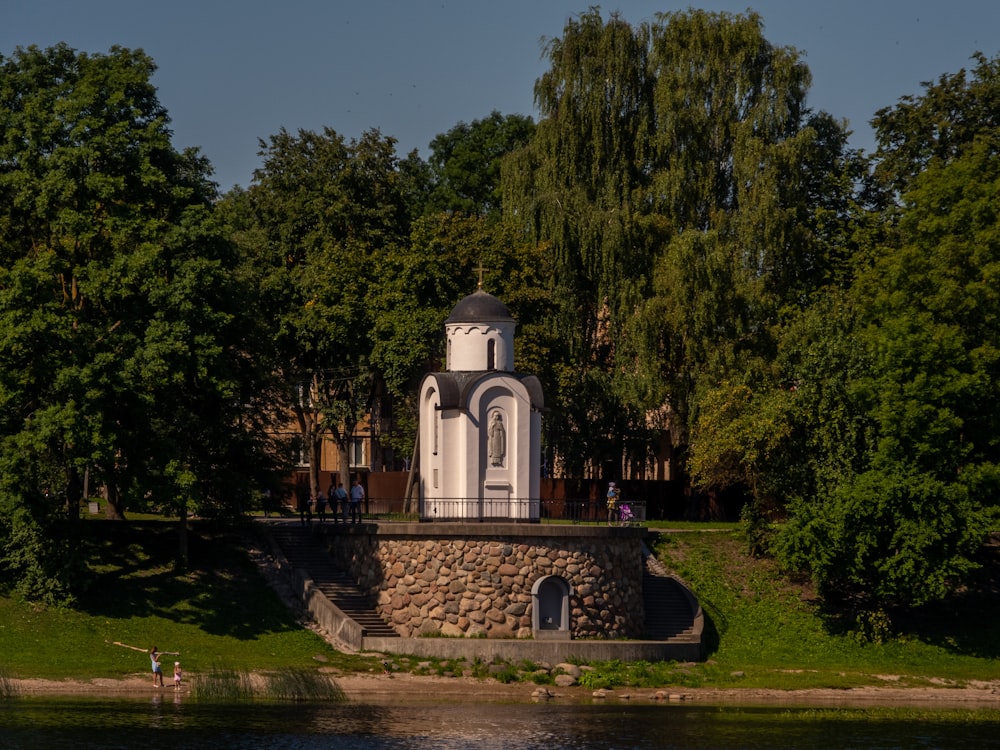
<point x="485" y="510"/>
<point x="585" y="510"/>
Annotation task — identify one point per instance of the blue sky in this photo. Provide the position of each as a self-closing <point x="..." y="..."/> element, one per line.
<point x="231" y="73"/>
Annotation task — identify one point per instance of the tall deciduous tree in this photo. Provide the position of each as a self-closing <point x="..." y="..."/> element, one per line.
<point x="578" y="187"/>
<point x="684" y="189"/>
<point x="122" y="353"/>
<point x="904" y="464"/>
<point x="465" y="163"/>
<point x="321" y="214"/>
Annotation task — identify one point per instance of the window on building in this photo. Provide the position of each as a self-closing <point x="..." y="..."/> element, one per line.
<point x="300" y="454"/>
<point x="304" y="393"/>
<point x="358" y="452"/>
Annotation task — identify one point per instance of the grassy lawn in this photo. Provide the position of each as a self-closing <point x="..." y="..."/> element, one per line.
<point x="767" y="631"/>
<point x="763" y="629"/>
<point x="220" y="614"/>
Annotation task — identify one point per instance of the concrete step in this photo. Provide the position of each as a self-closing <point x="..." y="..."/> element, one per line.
<point x="668" y="613"/>
<point x="303" y="552"/>
<point x="668" y="609"/>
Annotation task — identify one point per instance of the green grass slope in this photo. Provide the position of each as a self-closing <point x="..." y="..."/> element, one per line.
<point x="219" y="614"/>
<point x="767" y="631"/>
<point x="763" y="629"/>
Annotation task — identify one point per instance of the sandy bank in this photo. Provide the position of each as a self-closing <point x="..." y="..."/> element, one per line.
<point x="409" y="689"/>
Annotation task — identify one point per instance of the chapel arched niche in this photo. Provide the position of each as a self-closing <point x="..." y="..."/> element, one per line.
<point x="550" y="608"/>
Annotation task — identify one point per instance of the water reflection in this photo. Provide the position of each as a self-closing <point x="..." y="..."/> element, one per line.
<point x="168" y="721"/>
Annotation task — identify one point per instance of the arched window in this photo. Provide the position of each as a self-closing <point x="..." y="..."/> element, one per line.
<point x="491" y="354"/>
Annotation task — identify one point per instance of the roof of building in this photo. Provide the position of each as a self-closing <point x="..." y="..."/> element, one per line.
<point x="479" y="307"/>
<point x="455" y="388"/>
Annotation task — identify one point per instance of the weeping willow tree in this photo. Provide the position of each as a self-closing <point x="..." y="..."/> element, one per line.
<point x="578" y="186"/>
<point x="688" y="197"/>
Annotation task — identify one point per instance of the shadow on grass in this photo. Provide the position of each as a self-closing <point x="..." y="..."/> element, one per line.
<point x="963" y="623"/>
<point x="134" y="573"/>
<point x="711" y="638"/>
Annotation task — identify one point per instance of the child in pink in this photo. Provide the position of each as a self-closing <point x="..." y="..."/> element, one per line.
<point x="177" y="674"/>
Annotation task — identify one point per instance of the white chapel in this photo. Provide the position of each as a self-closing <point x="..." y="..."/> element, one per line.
<point x="480" y="422"/>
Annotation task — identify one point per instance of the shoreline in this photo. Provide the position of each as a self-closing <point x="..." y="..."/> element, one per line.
<point x="399" y="689"/>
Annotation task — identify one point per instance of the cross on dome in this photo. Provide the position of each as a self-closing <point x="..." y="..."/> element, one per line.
<point x="481" y="271"/>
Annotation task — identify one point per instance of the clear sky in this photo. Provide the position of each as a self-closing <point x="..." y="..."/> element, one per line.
<point x="235" y="71"/>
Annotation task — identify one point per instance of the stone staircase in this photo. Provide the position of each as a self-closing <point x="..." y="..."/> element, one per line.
<point x="305" y="553"/>
<point x="670" y="611"/>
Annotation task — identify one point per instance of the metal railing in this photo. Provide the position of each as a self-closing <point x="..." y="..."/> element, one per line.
<point x="497" y="510"/>
<point x="481" y="509"/>
<point x="585" y="510"/>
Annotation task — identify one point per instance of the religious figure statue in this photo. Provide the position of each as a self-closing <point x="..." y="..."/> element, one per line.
<point x="498" y="440"/>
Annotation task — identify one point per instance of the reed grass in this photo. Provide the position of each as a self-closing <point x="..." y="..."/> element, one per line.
<point x="302" y="685"/>
<point x="223" y="686"/>
<point x="238" y="686"/>
<point x="8" y="687"/>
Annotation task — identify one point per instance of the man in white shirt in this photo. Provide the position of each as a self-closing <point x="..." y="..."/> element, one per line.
<point x="357" y="495"/>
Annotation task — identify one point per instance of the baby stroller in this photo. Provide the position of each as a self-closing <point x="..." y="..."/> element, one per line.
<point x="625" y="516"/>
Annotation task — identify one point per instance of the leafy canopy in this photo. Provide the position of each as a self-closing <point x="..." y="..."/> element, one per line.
<point x="122" y="353"/>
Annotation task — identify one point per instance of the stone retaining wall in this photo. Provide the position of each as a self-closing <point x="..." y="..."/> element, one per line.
<point x="476" y="580"/>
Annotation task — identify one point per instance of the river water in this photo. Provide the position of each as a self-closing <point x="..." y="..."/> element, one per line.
<point x="106" y="724"/>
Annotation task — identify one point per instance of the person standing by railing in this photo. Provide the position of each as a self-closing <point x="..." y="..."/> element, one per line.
<point x="612" y="503"/>
<point x="321" y="505"/>
<point x="357" y="495"/>
<point x="338" y="502"/>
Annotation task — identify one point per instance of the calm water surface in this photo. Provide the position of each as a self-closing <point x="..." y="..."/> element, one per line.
<point x="103" y="724"/>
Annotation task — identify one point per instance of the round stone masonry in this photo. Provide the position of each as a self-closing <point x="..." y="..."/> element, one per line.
<point x="476" y="579"/>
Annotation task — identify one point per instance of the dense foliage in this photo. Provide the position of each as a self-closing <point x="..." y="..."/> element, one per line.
<point x="911" y="420"/>
<point x="688" y="197"/>
<point x="817" y="332"/>
<point x="123" y="351"/>
<point x="313" y="227"/>
<point x="696" y="259"/>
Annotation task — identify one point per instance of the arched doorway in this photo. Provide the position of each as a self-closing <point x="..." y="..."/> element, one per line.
<point x="550" y="608"/>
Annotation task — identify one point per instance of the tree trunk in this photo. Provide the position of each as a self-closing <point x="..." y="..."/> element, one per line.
<point x="74" y="492"/>
<point x="315" y="457"/>
<point x="311" y="439"/>
<point x="411" y="478"/>
<point x="182" y="539"/>
<point x="344" y="459"/>
<point x="114" y="510"/>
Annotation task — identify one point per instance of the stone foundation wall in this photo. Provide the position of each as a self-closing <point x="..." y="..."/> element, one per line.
<point x="462" y="580"/>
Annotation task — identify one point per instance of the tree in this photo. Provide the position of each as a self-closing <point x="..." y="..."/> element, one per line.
<point x="688" y="197"/>
<point x="465" y="163"/>
<point x="315" y="225"/>
<point x="759" y="195"/>
<point x="123" y="350"/>
<point x="907" y="499"/>
<point x="939" y="125"/>
<point x="577" y="187"/>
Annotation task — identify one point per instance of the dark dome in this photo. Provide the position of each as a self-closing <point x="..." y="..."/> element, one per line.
<point x="479" y="307"/>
